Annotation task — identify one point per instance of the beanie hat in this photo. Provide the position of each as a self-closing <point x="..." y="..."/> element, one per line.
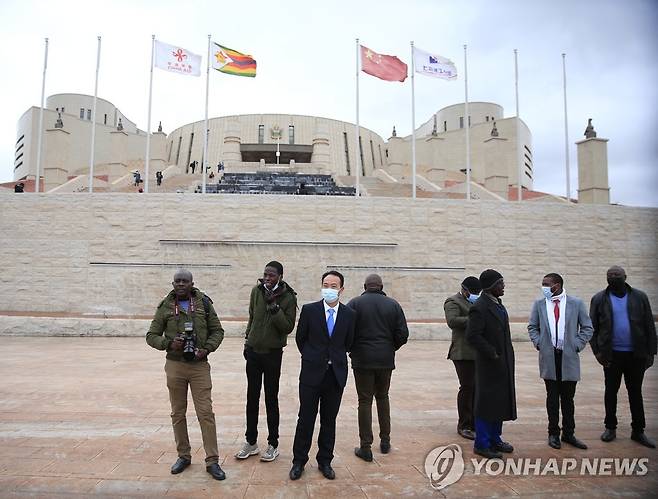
<point x="276" y="265"/>
<point x="472" y="284"/>
<point x="489" y="278"/>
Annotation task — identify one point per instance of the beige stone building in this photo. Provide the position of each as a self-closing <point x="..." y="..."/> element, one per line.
<point x="277" y="142"/>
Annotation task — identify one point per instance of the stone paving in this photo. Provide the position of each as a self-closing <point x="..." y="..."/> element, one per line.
<point x="83" y="417"/>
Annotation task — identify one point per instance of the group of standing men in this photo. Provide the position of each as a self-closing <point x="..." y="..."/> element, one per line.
<point x="619" y="327"/>
<point x="371" y="327"/>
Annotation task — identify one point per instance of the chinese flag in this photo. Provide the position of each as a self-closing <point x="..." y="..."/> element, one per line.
<point x="384" y="67"/>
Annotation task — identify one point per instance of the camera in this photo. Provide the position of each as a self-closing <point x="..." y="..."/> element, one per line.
<point x="189" y="344"/>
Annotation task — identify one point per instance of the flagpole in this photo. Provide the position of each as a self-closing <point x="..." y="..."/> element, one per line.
<point x="413" y="127"/>
<point x="356" y="148"/>
<point x="205" y="126"/>
<point x="148" y="121"/>
<point x="93" y="120"/>
<point x="468" y="133"/>
<point x="40" y="140"/>
<point x="566" y="126"/>
<point x="519" y="157"/>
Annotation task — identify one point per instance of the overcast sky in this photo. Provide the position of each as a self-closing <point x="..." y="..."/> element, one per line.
<point x="306" y="63"/>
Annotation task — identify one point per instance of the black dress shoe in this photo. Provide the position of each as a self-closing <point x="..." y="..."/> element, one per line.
<point x="488" y="453"/>
<point x="572" y="440"/>
<point x="554" y="441"/>
<point x="365" y="454"/>
<point x="503" y="447"/>
<point x="643" y="439"/>
<point x="609" y="435"/>
<point x="385" y="447"/>
<point x="296" y="471"/>
<point x="215" y="471"/>
<point x="466" y="433"/>
<point x="180" y="464"/>
<point x="327" y="471"/>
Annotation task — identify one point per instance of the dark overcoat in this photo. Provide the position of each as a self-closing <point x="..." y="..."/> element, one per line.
<point x="489" y="334"/>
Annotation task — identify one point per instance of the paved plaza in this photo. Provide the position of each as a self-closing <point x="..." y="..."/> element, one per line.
<point x="90" y="417"/>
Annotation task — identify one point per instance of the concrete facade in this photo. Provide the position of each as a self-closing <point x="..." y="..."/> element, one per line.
<point x="114" y="255"/>
<point x="65" y="157"/>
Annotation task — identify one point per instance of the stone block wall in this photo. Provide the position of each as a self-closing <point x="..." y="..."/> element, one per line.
<point x="114" y="255"/>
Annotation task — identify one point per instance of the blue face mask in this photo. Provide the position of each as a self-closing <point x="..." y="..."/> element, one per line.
<point x="473" y="298"/>
<point x="546" y="290"/>
<point x="329" y="295"/>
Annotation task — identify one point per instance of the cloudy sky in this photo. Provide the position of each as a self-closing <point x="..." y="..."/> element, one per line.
<point x="306" y="63"/>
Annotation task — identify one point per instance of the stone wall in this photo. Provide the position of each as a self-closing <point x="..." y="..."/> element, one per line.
<point x="113" y="255"/>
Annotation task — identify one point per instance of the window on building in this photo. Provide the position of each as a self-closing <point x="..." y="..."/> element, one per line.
<point x="261" y="134"/>
<point x="461" y="122"/>
<point x="372" y="153"/>
<point x="445" y="126"/>
<point x="189" y="150"/>
<point x="105" y="119"/>
<point x="291" y="134"/>
<point x="347" y="153"/>
<point x="363" y="166"/>
<point x="469" y="121"/>
<point x="381" y="160"/>
<point x="88" y="114"/>
<point x="486" y="118"/>
<point x="180" y="139"/>
<point x="82" y="113"/>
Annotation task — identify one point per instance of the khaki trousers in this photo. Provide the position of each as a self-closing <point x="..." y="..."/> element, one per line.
<point x="373" y="383"/>
<point x="180" y="374"/>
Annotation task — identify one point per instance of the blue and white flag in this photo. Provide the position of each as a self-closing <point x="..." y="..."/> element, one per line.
<point x="434" y="65"/>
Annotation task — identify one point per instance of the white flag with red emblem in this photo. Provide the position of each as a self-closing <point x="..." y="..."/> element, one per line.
<point x="176" y="59"/>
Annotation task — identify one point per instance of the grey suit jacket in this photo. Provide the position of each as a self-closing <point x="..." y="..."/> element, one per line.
<point x="577" y="332"/>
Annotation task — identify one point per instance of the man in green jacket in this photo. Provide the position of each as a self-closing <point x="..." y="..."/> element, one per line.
<point x="272" y="311"/>
<point x="461" y="353"/>
<point x="186" y="326"/>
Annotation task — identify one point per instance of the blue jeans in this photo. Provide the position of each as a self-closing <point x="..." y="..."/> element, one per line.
<point x="487" y="433"/>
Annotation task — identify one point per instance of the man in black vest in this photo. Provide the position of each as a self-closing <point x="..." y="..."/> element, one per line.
<point x="325" y="333"/>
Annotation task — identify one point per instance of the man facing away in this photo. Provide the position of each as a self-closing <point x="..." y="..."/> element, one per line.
<point x="461" y="352"/>
<point x="559" y="328"/>
<point x="325" y="333"/>
<point x="624" y="343"/>
<point x="381" y="329"/>
<point x="272" y="311"/>
<point x="186" y="326"/>
<point x="495" y="395"/>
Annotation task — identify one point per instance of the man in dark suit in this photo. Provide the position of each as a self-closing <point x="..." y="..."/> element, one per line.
<point x="495" y="396"/>
<point x="325" y="333"/>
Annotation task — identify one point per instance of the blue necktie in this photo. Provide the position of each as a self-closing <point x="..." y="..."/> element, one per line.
<point x="330" y="321"/>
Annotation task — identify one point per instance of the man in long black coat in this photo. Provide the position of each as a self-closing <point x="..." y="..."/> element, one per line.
<point x="495" y="398"/>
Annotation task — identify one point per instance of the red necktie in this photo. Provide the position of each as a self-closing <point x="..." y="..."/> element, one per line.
<point x="556" y="312"/>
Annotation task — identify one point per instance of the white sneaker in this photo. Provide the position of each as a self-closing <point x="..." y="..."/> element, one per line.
<point x="247" y="450"/>
<point x="270" y="454"/>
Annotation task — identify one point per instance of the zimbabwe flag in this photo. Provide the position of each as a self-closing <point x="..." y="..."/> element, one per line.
<point x="232" y="62"/>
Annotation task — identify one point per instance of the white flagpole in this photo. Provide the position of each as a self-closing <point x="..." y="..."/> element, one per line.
<point x="40" y="139"/>
<point x="468" y="134"/>
<point x="356" y="148"/>
<point x="148" y="120"/>
<point x="519" y="157"/>
<point x="566" y="126"/>
<point x="93" y="120"/>
<point x="205" y="126"/>
<point x="413" y="127"/>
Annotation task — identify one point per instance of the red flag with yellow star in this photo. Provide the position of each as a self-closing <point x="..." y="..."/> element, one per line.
<point x="384" y="67"/>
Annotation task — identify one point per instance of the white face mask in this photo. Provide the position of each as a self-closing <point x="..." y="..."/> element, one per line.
<point x="473" y="298"/>
<point x="329" y="295"/>
<point x="546" y="290"/>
